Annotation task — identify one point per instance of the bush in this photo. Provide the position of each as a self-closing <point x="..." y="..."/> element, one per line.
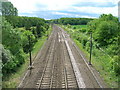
<point x="115" y="65"/>
<point x="74" y="27"/>
<point x="83" y="30"/>
<point x="6" y="55"/>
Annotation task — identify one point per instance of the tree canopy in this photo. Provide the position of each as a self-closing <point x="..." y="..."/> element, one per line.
<point x="104" y="29"/>
<point x="8" y="9"/>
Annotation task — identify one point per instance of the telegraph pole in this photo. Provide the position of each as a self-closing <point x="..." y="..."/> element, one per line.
<point x="30" y="51"/>
<point x="90" y="48"/>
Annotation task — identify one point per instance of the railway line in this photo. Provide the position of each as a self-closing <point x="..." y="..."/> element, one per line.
<point x="60" y="65"/>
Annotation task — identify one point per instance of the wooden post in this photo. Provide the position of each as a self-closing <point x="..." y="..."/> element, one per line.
<point x="90" y="48"/>
<point x="30" y="50"/>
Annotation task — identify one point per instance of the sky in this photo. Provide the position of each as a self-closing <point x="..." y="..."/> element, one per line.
<point x="53" y="9"/>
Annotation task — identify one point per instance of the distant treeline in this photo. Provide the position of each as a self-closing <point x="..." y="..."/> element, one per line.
<point x="23" y="21"/>
<point x="71" y="21"/>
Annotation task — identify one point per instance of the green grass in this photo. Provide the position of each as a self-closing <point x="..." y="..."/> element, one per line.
<point x="14" y="79"/>
<point x="38" y="45"/>
<point x="80" y="47"/>
<point x="79" y="26"/>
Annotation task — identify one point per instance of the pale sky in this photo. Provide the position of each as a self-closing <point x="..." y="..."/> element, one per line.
<point x="52" y="9"/>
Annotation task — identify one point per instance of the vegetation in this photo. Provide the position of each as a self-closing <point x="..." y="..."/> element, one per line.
<point x="105" y="56"/>
<point x="12" y="81"/>
<point x="8" y="9"/>
<point x="16" y="33"/>
<point x="17" y="43"/>
<point x="71" y="21"/>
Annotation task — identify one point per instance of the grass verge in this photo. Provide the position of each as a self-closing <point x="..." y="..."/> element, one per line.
<point x="110" y="78"/>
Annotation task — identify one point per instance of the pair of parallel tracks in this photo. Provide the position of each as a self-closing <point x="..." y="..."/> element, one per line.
<point x="56" y="67"/>
<point x="58" y="71"/>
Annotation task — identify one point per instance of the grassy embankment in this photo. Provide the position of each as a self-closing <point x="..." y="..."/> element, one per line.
<point x="14" y="79"/>
<point x="100" y="60"/>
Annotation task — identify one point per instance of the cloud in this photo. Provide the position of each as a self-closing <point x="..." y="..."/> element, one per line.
<point x="51" y="14"/>
<point x="62" y="14"/>
<point x="64" y="8"/>
<point x="97" y="10"/>
<point x="96" y="4"/>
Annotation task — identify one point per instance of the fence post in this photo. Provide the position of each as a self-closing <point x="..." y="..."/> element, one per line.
<point x="30" y="51"/>
<point x="90" y="49"/>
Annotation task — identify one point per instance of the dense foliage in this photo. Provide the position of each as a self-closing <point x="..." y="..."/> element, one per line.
<point x="22" y="21"/>
<point x="16" y="33"/>
<point x="74" y="21"/>
<point x="16" y="42"/>
<point x="9" y="9"/>
<point x="105" y="29"/>
<point x="12" y="54"/>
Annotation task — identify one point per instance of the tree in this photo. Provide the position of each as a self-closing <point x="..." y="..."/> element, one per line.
<point x="12" y="54"/>
<point x="104" y="29"/>
<point x="10" y="37"/>
<point x="105" y="33"/>
<point x="8" y="9"/>
<point x="26" y="37"/>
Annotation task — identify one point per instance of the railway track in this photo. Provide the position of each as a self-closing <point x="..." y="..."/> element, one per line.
<point x="58" y="71"/>
<point x="60" y="66"/>
<point x="88" y="70"/>
<point x="45" y="78"/>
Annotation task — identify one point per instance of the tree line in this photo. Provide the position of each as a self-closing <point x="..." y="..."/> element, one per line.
<point x="71" y="21"/>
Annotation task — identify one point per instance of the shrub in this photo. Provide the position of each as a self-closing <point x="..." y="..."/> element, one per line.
<point x="115" y="65"/>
